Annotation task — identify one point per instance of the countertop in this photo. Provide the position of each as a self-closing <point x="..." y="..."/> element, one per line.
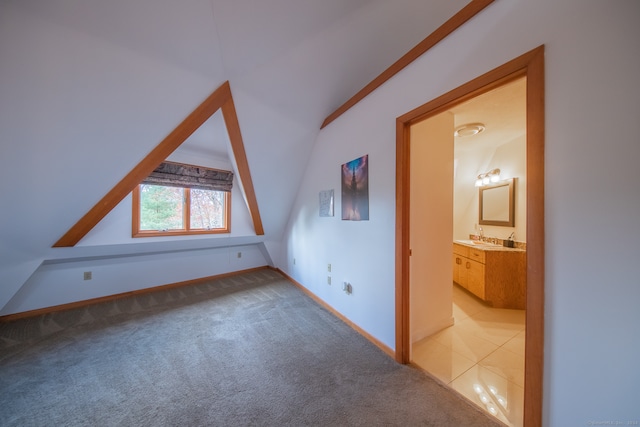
<point x="484" y="246"/>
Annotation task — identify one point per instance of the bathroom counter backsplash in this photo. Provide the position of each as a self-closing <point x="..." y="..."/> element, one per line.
<point x="498" y="241"/>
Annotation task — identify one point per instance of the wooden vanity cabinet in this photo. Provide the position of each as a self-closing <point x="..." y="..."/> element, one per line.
<point x="496" y="275"/>
<point x="468" y="270"/>
<point x="459" y="272"/>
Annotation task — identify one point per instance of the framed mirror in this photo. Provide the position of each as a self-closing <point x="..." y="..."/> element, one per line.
<point x="497" y="204"/>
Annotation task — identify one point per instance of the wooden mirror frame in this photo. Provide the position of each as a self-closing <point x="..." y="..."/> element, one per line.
<point x="511" y="208"/>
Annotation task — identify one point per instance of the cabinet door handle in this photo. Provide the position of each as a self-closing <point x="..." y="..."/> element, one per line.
<point x="468" y="264"/>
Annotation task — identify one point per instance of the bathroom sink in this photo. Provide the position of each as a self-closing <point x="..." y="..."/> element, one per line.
<point x="467" y="242"/>
<point x="476" y="242"/>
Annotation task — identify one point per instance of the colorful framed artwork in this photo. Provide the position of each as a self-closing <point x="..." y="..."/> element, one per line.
<point x="355" y="189"/>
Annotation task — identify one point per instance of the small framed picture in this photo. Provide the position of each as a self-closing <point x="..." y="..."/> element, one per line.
<point x="326" y="203"/>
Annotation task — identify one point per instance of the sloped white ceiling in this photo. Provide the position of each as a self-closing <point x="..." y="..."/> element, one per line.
<point x="89" y="87"/>
<point x="291" y="63"/>
<point x="176" y="32"/>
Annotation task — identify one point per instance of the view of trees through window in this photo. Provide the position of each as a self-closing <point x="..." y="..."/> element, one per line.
<point x="163" y="208"/>
<point x="207" y="209"/>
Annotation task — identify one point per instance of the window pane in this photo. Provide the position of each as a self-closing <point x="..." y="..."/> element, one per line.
<point x="161" y="208"/>
<point x="207" y="209"/>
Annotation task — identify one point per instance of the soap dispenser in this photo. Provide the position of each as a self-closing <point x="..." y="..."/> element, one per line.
<point x="509" y="242"/>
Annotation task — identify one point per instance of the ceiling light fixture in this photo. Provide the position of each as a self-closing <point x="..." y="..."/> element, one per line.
<point x="469" y="129"/>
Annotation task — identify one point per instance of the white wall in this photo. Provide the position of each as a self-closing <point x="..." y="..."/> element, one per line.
<point x="63" y="282"/>
<point x="357" y="250"/>
<point x="591" y="198"/>
<point x="75" y="119"/>
<point x="115" y="227"/>
<point x="145" y="264"/>
<point x="80" y="108"/>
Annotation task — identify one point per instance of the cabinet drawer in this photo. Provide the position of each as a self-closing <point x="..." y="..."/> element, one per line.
<point x="476" y="254"/>
<point x="461" y="250"/>
<point x="457" y="260"/>
<point x="475" y="278"/>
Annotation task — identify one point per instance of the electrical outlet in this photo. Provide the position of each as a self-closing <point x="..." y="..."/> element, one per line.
<point x="87" y="275"/>
<point x="328" y="280"/>
<point x="347" y="288"/>
<point x="294" y="261"/>
<point x="239" y="255"/>
<point x="329" y="268"/>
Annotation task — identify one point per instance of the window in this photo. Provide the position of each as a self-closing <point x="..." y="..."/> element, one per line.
<point x="166" y="204"/>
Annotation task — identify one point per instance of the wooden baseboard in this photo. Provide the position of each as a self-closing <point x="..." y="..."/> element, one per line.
<point x="83" y="303"/>
<point x="357" y="328"/>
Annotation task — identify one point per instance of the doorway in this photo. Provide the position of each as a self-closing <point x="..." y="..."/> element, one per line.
<point x="471" y="335"/>
<point x="531" y="66"/>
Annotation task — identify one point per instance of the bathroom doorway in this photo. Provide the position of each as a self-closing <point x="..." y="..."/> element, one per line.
<point x="531" y="66"/>
<point x="480" y="354"/>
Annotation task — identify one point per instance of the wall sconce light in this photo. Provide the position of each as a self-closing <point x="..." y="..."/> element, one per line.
<point x="488" y="177"/>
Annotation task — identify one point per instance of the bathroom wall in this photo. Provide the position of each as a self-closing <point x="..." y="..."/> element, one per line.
<point x="510" y="158"/>
<point x="431" y="220"/>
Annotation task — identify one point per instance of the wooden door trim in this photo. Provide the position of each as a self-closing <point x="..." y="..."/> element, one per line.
<point x="531" y="65"/>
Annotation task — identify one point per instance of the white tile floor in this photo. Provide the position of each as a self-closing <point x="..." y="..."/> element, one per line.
<point x="481" y="356"/>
